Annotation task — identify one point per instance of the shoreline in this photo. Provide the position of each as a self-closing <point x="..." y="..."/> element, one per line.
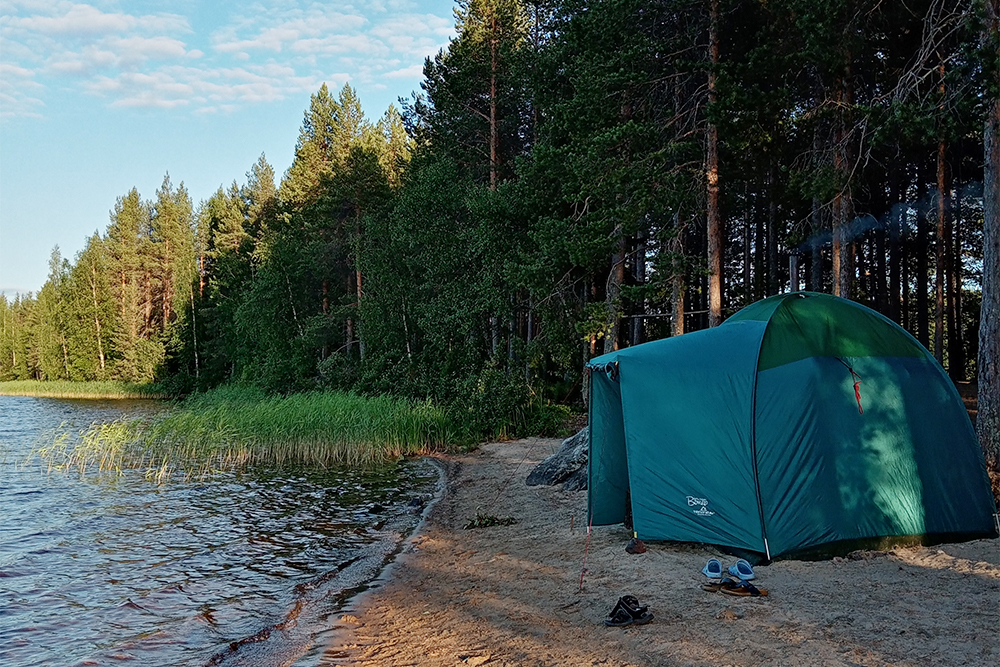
<point x="90" y="391"/>
<point x="510" y="595"/>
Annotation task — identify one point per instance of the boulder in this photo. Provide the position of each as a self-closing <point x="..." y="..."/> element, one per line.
<point x="568" y="465"/>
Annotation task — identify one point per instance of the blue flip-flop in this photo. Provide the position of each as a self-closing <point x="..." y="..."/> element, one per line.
<point x="712" y="569"/>
<point x="742" y="569"/>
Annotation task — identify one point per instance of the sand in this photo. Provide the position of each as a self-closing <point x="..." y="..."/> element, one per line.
<point x="510" y="595"/>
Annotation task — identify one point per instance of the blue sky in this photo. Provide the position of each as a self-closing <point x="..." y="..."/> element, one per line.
<point x="103" y="96"/>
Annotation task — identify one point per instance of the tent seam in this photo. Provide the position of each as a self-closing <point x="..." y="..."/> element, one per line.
<point x="753" y="430"/>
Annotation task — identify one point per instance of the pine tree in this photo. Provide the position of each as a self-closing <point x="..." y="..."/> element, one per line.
<point x="129" y="244"/>
<point x="51" y="326"/>
<point x="476" y="106"/>
<point x="315" y="151"/>
<point x="91" y="300"/>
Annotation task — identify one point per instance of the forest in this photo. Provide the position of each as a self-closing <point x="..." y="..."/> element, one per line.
<point x="574" y="176"/>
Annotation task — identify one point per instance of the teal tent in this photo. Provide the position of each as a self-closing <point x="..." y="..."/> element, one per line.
<point x="803" y="420"/>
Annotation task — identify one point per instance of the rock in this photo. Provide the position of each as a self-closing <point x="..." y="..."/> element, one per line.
<point x="416" y="505"/>
<point x="577" y="481"/>
<point x="569" y="465"/>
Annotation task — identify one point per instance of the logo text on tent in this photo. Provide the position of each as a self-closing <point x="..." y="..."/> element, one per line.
<point x="701" y="505"/>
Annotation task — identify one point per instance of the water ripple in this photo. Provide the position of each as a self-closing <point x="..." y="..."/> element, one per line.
<point x="240" y="568"/>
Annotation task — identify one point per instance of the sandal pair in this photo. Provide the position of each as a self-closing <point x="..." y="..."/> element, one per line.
<point x="744" y="589"/>
<point x="713" y="586"/>
<point x="626" y="612"/>
<point x="737" y="587"/>
<point x="742" y="569"/>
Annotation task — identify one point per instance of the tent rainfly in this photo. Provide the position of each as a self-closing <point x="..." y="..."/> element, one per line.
<point x="804" y="420"/>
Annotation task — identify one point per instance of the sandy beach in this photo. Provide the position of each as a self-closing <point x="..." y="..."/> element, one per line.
<point x="510" y="595"/>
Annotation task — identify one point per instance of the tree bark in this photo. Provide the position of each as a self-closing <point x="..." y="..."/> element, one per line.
<point x="923" y="325"/>
<point x="494" y="131"/>
<point x="715" y="236"/>
<point x="167" y="286"/>
<point x="843" y="251"/>
<point x="940" y="258"/>
<point x="816" y="224"/>
<point x="361" y="342"/>
<point x="148" y="317"/>
<point x="97" y="318"/>
<point x="956" y="334"/>
<point x="748" y="260"/>
<point x="988" y="419"/>
<point x="194" y="336"/>
<point x="640" y="280"/>
<point x="677" y="280"/>
<point x="616" y="276"/>
<point x="772" y="230"/>
<point x="904" y="297"/>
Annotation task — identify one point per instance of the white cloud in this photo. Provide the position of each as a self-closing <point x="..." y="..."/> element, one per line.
<point x="74" y="20"/>
<point x="270" y="34"/>
<point x="10" y="70"/>
<point x="17" y="92"/>
<point x="216" y="89"/>
<point x="343" y="44"/>
<point x="406" y="73"/>
<point x="273" y="50"/>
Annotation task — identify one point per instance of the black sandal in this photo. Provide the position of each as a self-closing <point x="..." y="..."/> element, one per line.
<point x="630" y="605"/>
<point x="619" y="618"/>
<point x="640" y="615"/>
<point x="722" y="585"/>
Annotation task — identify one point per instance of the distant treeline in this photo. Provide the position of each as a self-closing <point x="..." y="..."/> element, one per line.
<point x="575" y="176"/>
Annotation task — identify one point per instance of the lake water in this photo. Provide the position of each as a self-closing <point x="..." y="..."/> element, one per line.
<point x="247" y="568"/>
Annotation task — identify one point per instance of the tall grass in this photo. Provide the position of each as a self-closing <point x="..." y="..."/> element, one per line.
<point x="67" y="389"/>
<point x="322" y="427"/>
<point x="231" y="427"/>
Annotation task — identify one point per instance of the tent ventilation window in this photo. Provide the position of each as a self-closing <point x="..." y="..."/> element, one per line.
<point x="611" y="369"/>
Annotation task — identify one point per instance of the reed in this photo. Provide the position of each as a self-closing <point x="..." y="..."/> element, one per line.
<point x="91" y="390"/>
<point x="232" y="427"/>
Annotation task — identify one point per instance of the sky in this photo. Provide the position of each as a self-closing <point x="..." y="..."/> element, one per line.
<point x="97" y="98"/>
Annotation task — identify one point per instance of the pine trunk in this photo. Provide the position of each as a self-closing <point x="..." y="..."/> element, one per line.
<point x="361" y="343"/>
<point x="748" y="258"/>
<point x="843" y="250"/>
<point x="677" y="280"/>
<point x="167" y="287"/>
<point x="988" y="419"/>
<point x="640" y="279"/>
<point x="715" y="237"/>
<point x="940" y="258"/>
<point x="194" y="336"/>
<point x="616" y="276"/>
<point x="97" y="318"/>
<point x="921" y="248"/>
<point x="956" y="334"/>
<point x="895" y="249"/>
<point x="494" y="132"/>
<point x="816" y="223"/>
<point x="772" y="230"/>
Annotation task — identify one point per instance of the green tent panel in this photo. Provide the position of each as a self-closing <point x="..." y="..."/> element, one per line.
<point x="752" y="435"/>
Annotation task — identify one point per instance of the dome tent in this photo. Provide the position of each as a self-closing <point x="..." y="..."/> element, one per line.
<point x="803" y="420"/>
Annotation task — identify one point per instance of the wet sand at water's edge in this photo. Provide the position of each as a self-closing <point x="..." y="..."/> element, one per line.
<point x="510" y="595"/>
